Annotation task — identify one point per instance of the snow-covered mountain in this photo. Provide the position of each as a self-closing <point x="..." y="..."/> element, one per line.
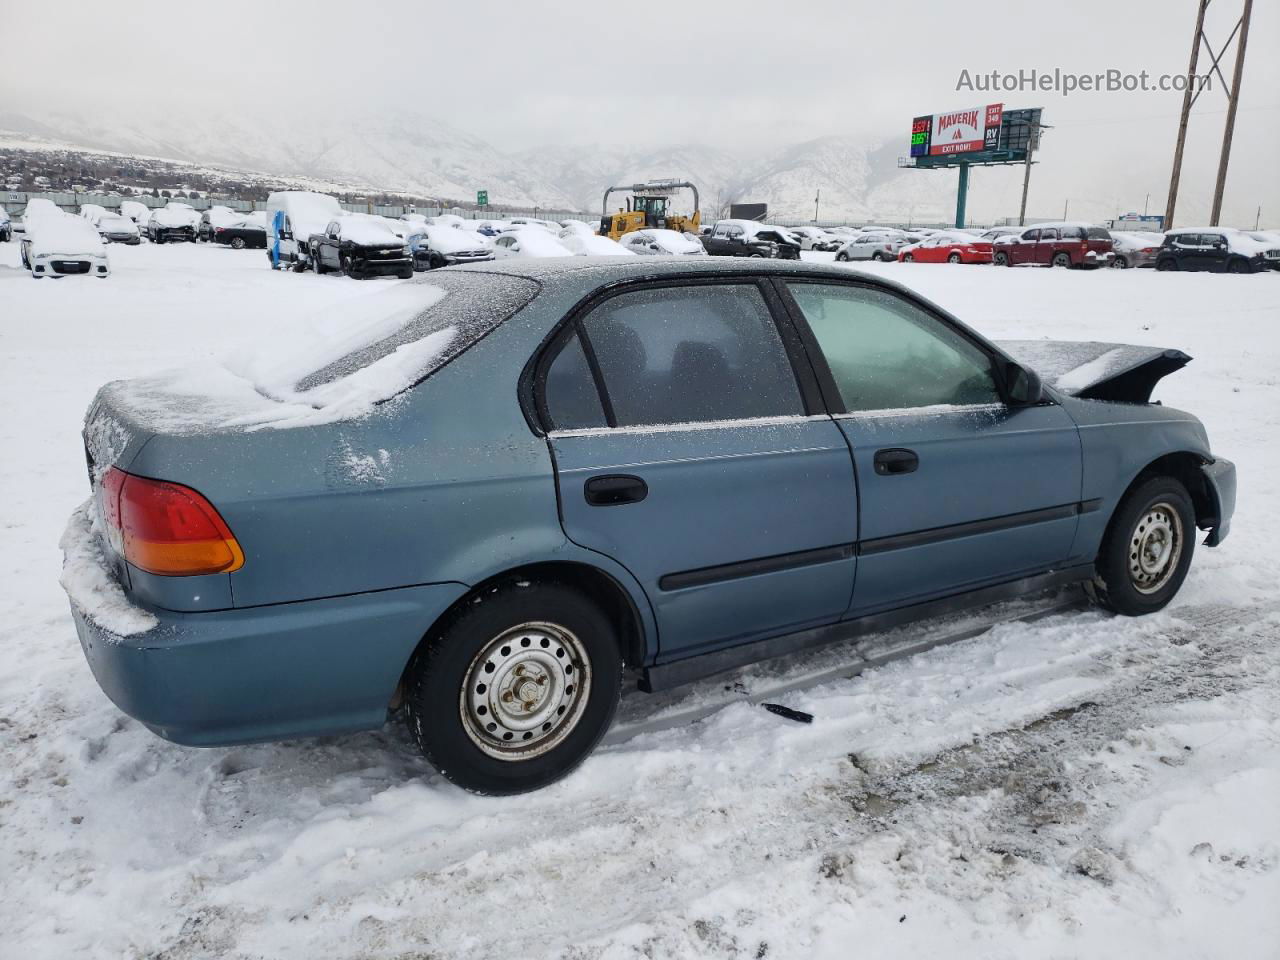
<point x="415" y="153"/>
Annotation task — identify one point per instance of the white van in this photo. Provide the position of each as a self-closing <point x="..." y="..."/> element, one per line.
<point x="292" y="217"/>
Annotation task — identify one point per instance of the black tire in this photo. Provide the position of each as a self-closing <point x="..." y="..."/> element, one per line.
<point x="1001" y="259"/>
<point x="159" y="238"/>
<point x="317" y="265"/>
<point x="1239" y="265"/>
<point x="842" y="257"/>
<point x="1061" y="259"/>
<point x="877" y="256"/>
<point x="1120" y="263"/>
<point x="438" y="685"/>
<point x="1168" y="263"/>
<point x="344" y="264"/>
<point x="953" y="258"/>
<point x="406" y="273"/>
<point x="237" y="243"/>
<point x="1121" y="560"/>
<point x="908" y="258"/>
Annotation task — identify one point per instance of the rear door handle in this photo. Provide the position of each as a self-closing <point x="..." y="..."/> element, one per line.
<point x="613" y="489"/>
<point x="895" y="460"/>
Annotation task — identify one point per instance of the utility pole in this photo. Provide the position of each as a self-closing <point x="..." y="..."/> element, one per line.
<point x="1184" y="118"/>
<point x="1257" y="217"/>
<point x="816" y="196"/>
<point x="1064" y="207"/>
<point x="1033" y="142"/>
<point x="1233" y="99"/>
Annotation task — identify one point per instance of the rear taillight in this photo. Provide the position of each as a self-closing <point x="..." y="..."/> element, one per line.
<point x="166" y="528"/>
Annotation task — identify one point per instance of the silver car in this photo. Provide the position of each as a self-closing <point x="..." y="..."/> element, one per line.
<point x="815" y="238"/>
<point x="871" y="246"/>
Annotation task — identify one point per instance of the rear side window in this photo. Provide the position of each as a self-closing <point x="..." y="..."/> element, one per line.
<point x="692" y="354"/>
<point x="887" y="354"/>
<point x="573" y="403"/>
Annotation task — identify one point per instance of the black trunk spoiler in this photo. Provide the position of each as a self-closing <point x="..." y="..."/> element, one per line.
<point x="1119" y="372"/>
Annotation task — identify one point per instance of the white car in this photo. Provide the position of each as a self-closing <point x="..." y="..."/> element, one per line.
<point x="114" y="228"/>
<point x="57" y="244"/>
<point x="576" y="228"/>
<point x="657" y="242"/>
<point x="442" y="245"/>
<point x="529" y="242"/>
<point x="871" y="246"/>
<point x="589" y="245"/>
<point x="93" y="212"/>
<point x="814" y="238"/>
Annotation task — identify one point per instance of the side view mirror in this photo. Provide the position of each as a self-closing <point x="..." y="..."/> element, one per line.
<point x="1025" y="387"/>
<point x="654" y="246"/>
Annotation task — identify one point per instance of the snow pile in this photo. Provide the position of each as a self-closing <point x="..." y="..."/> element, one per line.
<point x="539" y="242"/>
<point x="87" y="578"/>
<point x="64" y="235"/>
<point x="672" y="241"/>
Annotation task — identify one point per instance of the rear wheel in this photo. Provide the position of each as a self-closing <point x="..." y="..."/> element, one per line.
<point x="1239" y="265"/>
<point x="1168" y="263"/>
<point x="1060" y="260"/>
<point x="514" y="689"/>
<point x="907" y="258"/>
<point x="877" y="256"/>
<point x="842" y="257"/>
<point x="1147" y="548"/>
<point x="1120" y="263"/>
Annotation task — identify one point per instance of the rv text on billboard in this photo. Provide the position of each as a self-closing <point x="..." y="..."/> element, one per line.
<point x="961" y="131"/>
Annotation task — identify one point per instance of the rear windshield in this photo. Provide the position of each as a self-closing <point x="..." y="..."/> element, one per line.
<point x="473" y="304"/>
<point x="1098" y="233"/>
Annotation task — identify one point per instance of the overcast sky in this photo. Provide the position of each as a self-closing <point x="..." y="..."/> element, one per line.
<point x="730" y="73"/>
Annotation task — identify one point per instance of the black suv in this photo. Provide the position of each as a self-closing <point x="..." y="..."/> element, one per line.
<point x="745" y="238"/>
<point x="1210" y="249"/>
<point x="361" y="247"/>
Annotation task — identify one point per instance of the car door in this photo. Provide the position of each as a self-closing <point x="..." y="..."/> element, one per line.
<point x="687" y="450"/>
<point x="1046" y="246"/>
<point x="957" y="488"/>
<point x="1023" y="250"/>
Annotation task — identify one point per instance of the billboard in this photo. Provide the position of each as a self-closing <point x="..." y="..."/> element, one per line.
<point x="960" y="131"/>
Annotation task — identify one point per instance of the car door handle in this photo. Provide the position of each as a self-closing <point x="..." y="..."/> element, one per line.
<point x="614" y="489"/>
<point x="895" y="460"/>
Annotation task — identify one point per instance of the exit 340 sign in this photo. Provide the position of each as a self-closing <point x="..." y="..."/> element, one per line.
<point x="482" y="197"/>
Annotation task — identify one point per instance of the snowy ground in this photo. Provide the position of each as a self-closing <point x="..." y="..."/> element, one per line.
<point x="1077" y="787"/>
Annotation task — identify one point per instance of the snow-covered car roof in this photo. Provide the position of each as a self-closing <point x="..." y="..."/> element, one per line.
<point x="590" y="245"/>
<point x="1062" y="224"/>
<point x="1134" y="240"/>
<point x="1238" y="241"/>
<point x="38" y="207"/>
<point x="171" y="216"/>
<point x="449" y="239"/>
<point x="673" y="241"/>
<point x="364" y="229"/>
<point x="63" y="234"/>
<point x="539" y="242"/>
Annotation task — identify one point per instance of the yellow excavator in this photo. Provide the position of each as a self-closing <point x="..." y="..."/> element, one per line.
<point x="649" y="206"/>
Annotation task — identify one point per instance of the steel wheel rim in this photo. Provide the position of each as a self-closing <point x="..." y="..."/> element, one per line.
<point x="525" y="691"/>
<point x="1155" y="547"/>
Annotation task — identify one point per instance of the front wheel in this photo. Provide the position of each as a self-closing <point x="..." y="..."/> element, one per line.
<point x="1167" y="264"/>
<point x="237" y="243"/>
<point x="514" y="690"/>
<point x="877" y="256"/>
<point x="954" y="258"/>
<point x="1002" y="259"/>
<point x="842" y="257"/>
<point x="1147" y="548"/>
<point x="907" y="258"/>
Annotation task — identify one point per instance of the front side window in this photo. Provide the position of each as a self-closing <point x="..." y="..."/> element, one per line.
<point x="692" y="354"/>
<point x="888" y="354"/>
<point x="1031" y="235"/>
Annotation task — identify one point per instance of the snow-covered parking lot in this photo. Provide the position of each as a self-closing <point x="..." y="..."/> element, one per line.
<point x="1077" y="786"/>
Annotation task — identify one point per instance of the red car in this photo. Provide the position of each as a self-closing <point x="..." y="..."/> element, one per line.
<point x="948" y="248"/>
<point x="1058" y="245"/>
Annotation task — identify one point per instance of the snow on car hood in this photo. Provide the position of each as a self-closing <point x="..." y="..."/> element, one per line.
<point x="367" y="231"/>
<point x="62" y="233"/>
<point x="171" y="217"/>
<point x="1097" y="371"/>
<point x="446" y="239"/>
